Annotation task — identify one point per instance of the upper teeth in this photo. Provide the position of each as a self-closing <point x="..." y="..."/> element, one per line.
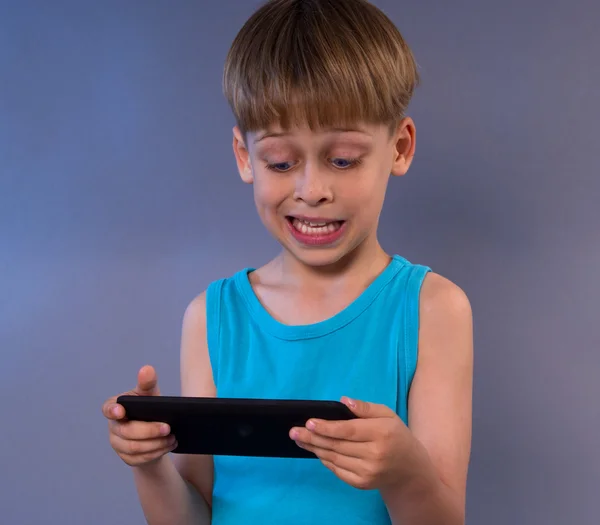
<point x="315" y="224"/>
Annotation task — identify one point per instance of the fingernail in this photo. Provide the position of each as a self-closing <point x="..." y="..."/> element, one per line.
<point x="351" y="402"/>
<point x="164" y="429"/>
<point x="294" y="434"/>
<point x="114" y="411"/>
<point x="311" y="425"/>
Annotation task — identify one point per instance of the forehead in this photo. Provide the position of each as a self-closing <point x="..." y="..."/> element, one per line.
<point x="357" y="131"/>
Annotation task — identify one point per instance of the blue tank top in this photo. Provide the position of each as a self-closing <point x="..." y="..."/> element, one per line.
<point x="368" y="351"/>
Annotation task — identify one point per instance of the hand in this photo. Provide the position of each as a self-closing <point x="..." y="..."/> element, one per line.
<point x="136" y="442"/>
<point x="368" y="453"/>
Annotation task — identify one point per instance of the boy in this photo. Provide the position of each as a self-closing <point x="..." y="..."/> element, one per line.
<point x="319" y="89"/>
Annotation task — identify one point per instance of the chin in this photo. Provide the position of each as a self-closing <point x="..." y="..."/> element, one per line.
<point x="318" y="258"/>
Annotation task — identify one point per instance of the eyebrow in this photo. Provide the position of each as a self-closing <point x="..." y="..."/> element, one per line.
<point x="271" y="134"/>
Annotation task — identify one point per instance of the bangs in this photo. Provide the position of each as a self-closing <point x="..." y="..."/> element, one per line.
<point x="322" y="64"/>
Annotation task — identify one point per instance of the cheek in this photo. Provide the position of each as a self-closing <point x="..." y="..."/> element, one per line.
<point x="364" y="195"/>
<point x="269" y="194"/>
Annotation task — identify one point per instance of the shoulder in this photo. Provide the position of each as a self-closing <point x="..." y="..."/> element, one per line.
<point x="195" y="312"/>
<point x="440" y="297"/>
<point x="196" y="370"/>
<point x="194" y="321"/>
<point x="195" y="315"/>
<point x="445" y="320"/>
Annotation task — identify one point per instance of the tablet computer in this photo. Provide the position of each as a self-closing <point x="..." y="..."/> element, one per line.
<point x="233" y="427"/>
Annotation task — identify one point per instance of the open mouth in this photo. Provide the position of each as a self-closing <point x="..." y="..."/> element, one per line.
<point x="317" y="227"/>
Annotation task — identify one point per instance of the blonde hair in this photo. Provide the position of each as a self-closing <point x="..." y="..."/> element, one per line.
<point x="326" y="63"/>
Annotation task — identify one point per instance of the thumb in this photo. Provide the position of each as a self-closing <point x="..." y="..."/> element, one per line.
<point x="147" y="383"/>
<point x="367" y="410"/>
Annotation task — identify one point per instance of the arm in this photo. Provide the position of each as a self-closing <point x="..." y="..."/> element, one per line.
<point x="440" y="407"/>
<point x="177" y="491"/>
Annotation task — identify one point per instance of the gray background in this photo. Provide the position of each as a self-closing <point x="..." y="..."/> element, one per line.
<point x="119" y="201"/>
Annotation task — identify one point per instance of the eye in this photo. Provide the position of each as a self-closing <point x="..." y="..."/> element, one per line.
<point x="280" y="166"/>
<point x="344" y="164"/>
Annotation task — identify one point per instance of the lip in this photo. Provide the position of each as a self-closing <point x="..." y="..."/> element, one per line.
<point x="314" y="220"/>
<point x="322" y="240"/>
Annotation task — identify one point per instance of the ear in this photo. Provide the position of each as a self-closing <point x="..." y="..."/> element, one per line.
<point x="242" y="156"/>
<point x="404" y="146"/>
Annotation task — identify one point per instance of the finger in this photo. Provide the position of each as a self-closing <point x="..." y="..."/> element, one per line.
<point x="349" y="476"/>
<point x="353" y="449"/>
<point x="143" y="459"/>
<point x="355" y="472"/>
<point x="138" y="430"/>
<point x="340" y="461"/>
<point x="112" y="410"/>
<point x="147" y="383"/>
<point x="352" y="430"/>
<point x="132" y="447"/>
<point x="363" y="409"/>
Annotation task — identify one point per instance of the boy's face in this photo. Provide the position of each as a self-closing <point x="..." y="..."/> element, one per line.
<point x="320" y="193"/>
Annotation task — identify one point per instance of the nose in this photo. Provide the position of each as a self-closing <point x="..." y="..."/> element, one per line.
<point x="312" y="186"/>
